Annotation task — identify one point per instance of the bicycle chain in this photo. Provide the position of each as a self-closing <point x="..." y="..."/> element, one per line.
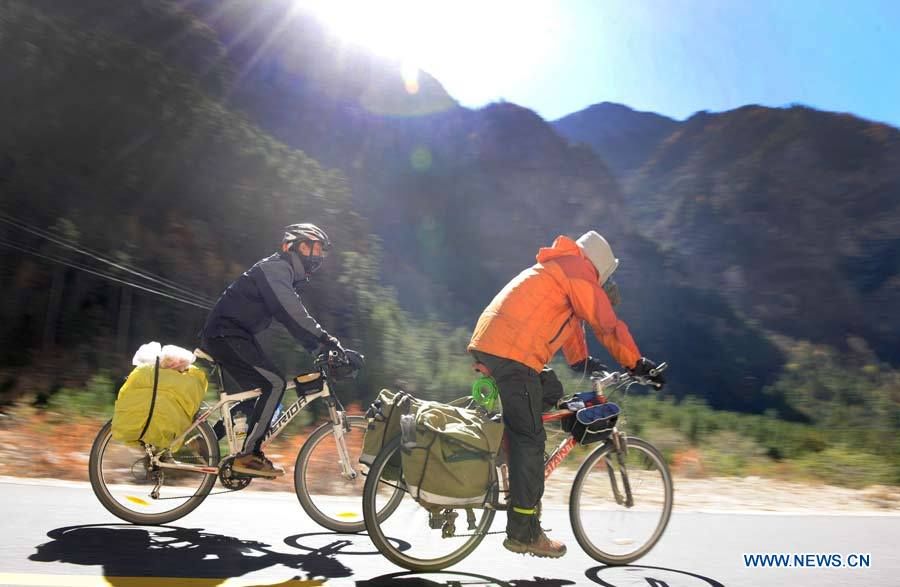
<point x="199" y="460"/>
<point x="477" y="534"/>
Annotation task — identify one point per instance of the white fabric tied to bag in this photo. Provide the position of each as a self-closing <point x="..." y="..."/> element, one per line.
<point x="170" y="356"/>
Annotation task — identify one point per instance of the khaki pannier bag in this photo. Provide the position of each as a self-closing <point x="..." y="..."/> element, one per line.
<point x="449" y="455"/>
<point x="156" y="405"/>
<point x="383" y="418"/>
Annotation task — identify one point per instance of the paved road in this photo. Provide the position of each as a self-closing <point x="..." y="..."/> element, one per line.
<point x="58" y="534"/>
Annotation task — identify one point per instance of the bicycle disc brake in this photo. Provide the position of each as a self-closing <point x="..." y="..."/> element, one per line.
<point x="229" y="478"/>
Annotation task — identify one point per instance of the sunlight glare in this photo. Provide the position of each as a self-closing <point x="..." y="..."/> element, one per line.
<point x="477" y="50"/>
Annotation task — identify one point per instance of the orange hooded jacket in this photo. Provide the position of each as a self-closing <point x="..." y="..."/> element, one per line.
<point x="540" y="311"/>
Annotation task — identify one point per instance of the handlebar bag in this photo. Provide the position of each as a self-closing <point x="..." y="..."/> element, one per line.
<point x="595" y="423"/>
<point x="156" y="405"/>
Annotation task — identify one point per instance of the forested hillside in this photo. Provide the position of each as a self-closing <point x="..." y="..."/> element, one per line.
<point x="110" y="148"/>
<point x="792" y="214"/>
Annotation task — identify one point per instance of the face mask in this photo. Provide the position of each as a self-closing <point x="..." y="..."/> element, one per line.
<point x="612" y="292"/>
<point x="312" y="262"/>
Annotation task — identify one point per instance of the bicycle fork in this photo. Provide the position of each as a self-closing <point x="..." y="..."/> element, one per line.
<point x="620" y="447"/>
<point x="340" y="424"/>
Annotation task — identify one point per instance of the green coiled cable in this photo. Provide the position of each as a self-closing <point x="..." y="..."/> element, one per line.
<point x="486" y="392"/>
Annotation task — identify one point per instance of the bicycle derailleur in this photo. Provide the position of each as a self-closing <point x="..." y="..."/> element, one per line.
<point x="229" y="478"/>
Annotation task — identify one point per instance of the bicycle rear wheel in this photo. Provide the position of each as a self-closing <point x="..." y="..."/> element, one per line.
<point x="408" y="538"/>
<point x="331" y="498"/>
<point x="608" y="530"/>
<point x="122" y="478"/>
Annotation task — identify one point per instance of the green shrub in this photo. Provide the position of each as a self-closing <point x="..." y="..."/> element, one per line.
<point x="842" y="465"/>
<point x="96" y="399"/>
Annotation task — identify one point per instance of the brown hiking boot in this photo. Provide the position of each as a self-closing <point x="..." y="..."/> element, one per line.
<point x="542" y="546"/>
<point x="256" y="465"/>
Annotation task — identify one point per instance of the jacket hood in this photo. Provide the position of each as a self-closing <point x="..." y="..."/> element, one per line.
<point x="563" y="246"/>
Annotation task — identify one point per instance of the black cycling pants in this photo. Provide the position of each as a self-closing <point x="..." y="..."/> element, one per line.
<point x="522" y="395"/>
<point x="244" y="361"/>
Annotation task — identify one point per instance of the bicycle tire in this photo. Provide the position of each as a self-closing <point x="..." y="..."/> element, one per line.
<point x="135" y="517"/>
<point x="395" y="554"/>
<point x="307" y="502"/>
<point x="575" y="496"/>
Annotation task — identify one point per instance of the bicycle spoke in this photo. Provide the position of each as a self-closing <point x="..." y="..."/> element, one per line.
<point x="131" y="486"/>
<point x="416" y="537"/>
<point x="607" y="526"/>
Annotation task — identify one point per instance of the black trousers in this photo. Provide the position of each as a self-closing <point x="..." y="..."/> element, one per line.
<point x="244" y="361"/>
<point x="522" y="391"/>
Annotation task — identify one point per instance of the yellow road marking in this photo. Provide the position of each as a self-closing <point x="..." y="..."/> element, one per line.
<point x="42" y="580"/>
<point x="348" y="515"/>
<point x="136" y="500"/>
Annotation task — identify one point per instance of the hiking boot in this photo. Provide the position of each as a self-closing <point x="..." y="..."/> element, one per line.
<point x="256" y="465"/>
<point x="542" y="546"/>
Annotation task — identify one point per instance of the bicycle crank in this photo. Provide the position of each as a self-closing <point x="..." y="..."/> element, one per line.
<point x="231" y="479"/>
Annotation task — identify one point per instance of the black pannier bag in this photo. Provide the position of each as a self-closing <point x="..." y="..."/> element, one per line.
<point x="595" y="423"/>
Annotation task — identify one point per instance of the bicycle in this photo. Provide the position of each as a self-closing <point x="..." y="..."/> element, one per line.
<point x="619" y="504"/>
<point x="148" y="485"/>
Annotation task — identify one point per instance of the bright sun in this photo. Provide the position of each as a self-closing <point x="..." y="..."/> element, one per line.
<point x="478" y="49"/>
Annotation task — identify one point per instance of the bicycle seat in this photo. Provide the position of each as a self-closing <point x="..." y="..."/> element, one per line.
<point x="201" y="354"/>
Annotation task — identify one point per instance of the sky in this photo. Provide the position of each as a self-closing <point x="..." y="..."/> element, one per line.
<point x="674" y="57"/>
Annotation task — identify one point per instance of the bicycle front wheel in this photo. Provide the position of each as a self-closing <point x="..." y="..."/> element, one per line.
<point x="608" y="528"/>
<point x="413" y="537"/>
<point x="124" y="480"/>
<point x="332" y="498"/>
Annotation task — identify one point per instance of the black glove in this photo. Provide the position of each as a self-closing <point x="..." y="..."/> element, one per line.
<point x="350" y="365"/>
<point x="644" y="367"/>
<point x="589" y="365"/>
<point x="330" y="343"/>
<point x="355" y="359"/>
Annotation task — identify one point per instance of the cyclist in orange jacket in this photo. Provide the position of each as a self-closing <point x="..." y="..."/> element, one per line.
<point x="538" y="313"/>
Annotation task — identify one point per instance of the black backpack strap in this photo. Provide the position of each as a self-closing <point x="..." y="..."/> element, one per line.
<point x="152" y="399"/>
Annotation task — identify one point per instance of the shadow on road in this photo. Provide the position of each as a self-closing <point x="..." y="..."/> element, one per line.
<point x="454" y="579"/>
<point x="312" y="540"/>
<point x="647" y="576"/>
<point x="167" y="551"/>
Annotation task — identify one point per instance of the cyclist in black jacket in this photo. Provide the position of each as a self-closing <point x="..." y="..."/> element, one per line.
<point x="269" y="289"/>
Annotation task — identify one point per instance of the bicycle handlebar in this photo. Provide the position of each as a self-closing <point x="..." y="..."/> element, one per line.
<point x="603" y="379"/>
<point x="338" y="364"/>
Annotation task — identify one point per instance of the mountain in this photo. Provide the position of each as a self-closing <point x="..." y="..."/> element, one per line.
<point x="793" y="214"/>
<point x="622" y="137"/>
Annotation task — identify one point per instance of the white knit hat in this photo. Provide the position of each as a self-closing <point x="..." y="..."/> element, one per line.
<point x="600" y="254"/>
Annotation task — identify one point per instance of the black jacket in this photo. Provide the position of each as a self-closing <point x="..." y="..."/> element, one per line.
<point x="265" y="291"/>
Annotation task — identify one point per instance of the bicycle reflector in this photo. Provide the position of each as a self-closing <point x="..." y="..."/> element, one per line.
<point x="485" y="392"/>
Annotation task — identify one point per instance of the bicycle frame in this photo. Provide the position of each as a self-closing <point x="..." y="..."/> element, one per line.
<point x="616" y="439"/>
<point x="226" y="403"/>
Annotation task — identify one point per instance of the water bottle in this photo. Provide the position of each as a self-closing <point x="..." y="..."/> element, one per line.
<point x="278" y="410"/>
<point x="240" y="428"/>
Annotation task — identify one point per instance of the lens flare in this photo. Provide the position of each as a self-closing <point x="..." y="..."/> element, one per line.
<point x="410" y="74"/>
<point x="420" y="158"/>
